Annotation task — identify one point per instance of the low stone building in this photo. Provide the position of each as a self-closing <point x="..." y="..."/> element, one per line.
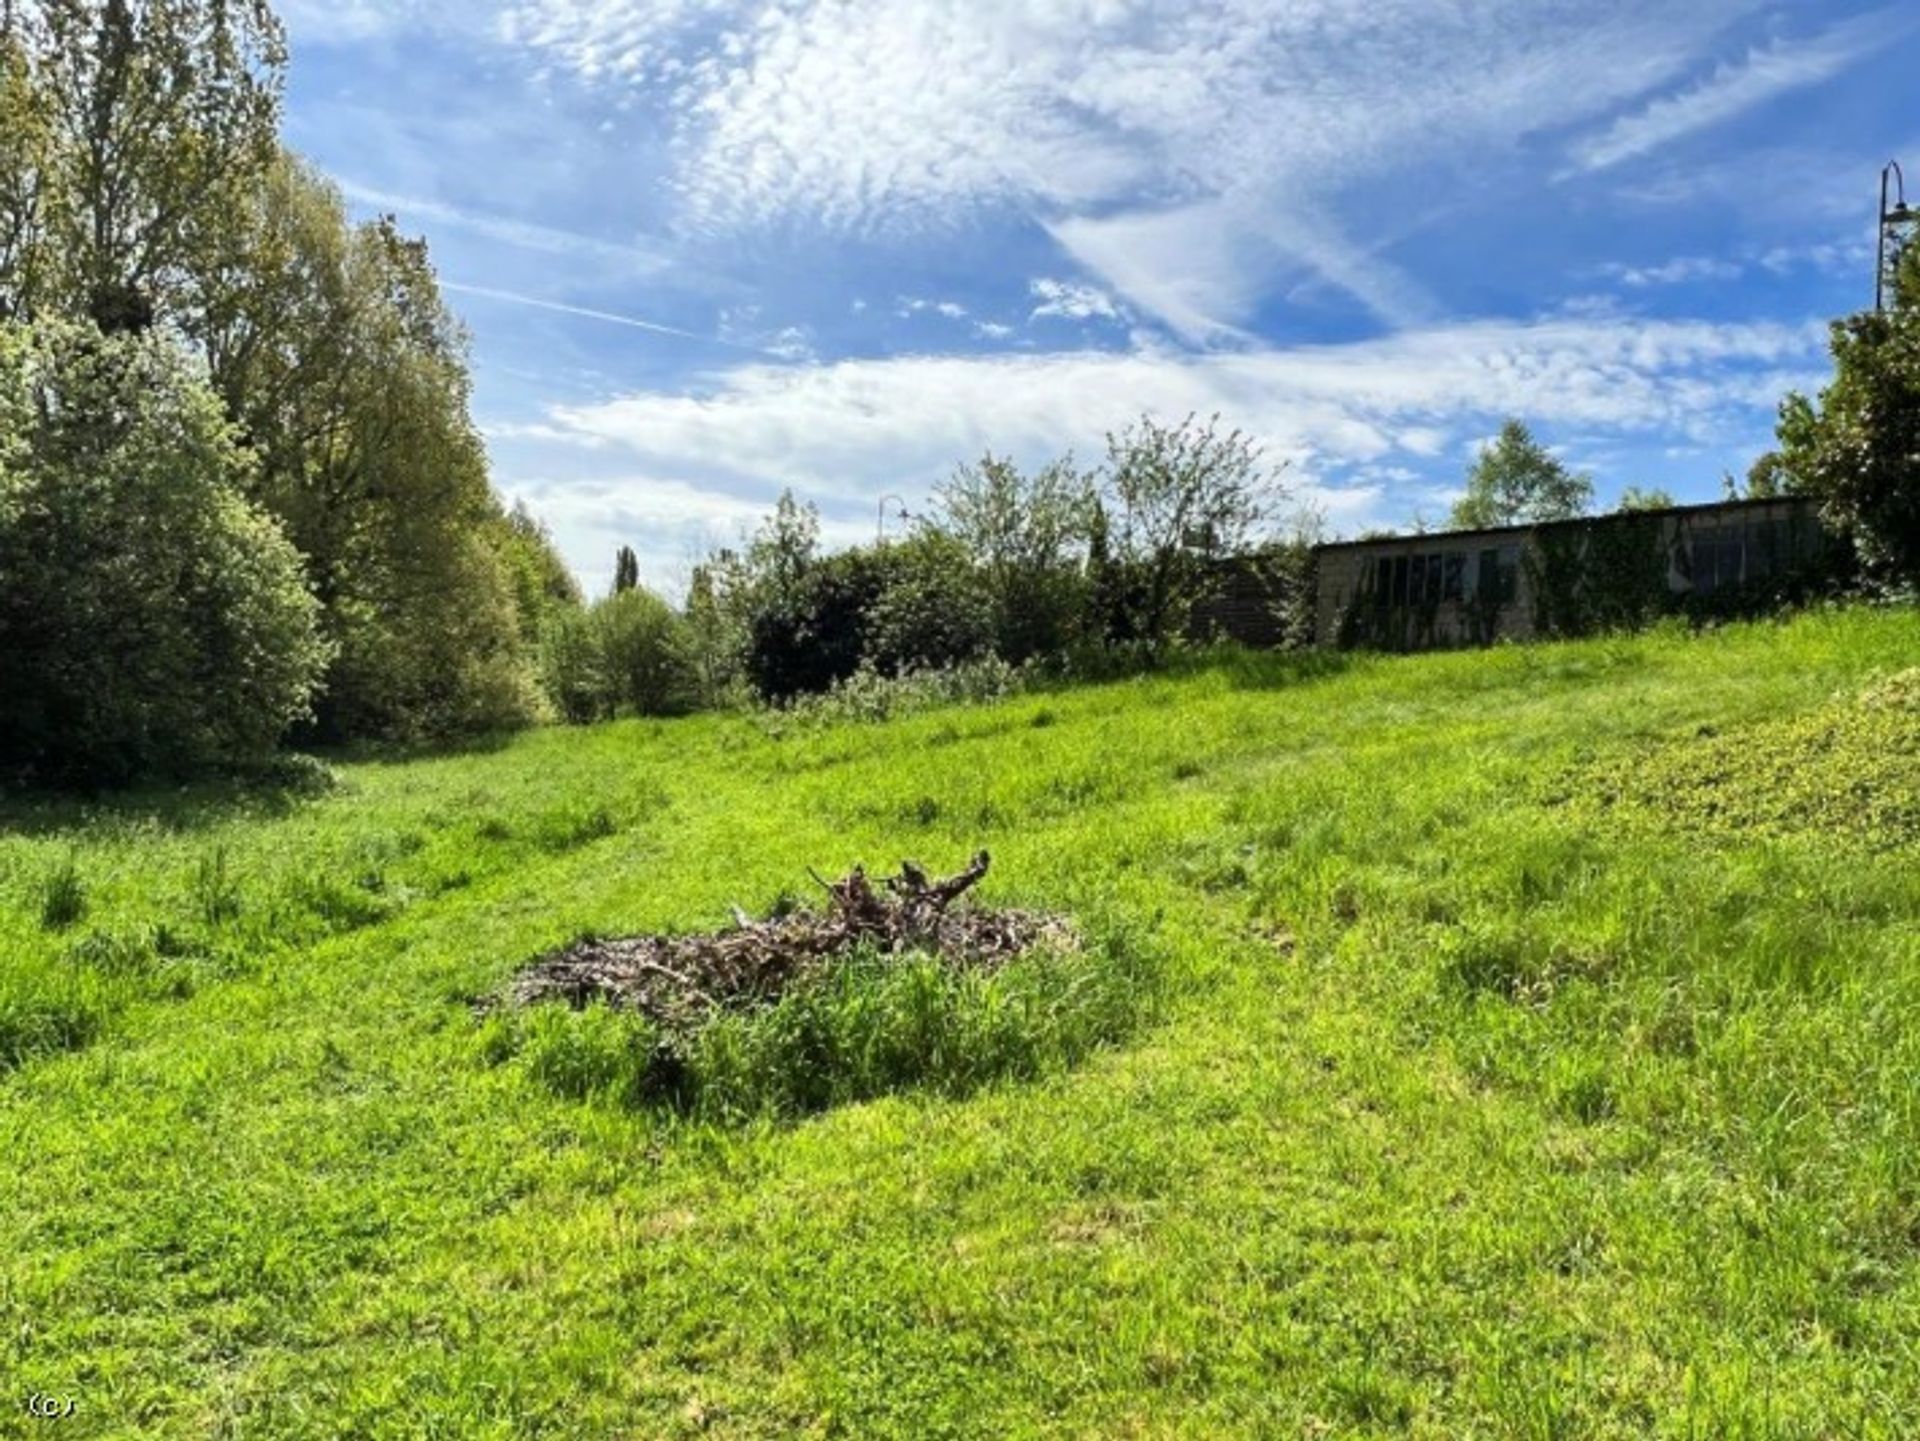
<point x="1416" y="592"/>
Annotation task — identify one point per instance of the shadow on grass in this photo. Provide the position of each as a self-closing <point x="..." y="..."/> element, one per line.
<point x="1280" y="670"/>
<point x="193" y="802"/>
<point x="183" y="805"/>
<point x="395" y="753"/>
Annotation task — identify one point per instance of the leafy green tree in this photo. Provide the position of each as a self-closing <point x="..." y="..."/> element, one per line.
<point x="716" y="628"/>
<point x="1633" y="500"/>
<point x="934" y="609"/>
<point x="151" y="618"/>
<point x="648" y="653"/>
<point x="1028" y="534"/>
<point x="26" y="162"/>
<point x="626" y="570"/>
<point x="1857" y="447"/>
<point x="748" y="608"/>
<point x="1518" y="481"/>
<point x="782" y="551"/>
<point x="334" y="349"/>
<point x="803" y="637"/>
<point x="573" y="667"/>
<point x="1767" y="478"/>
<point x="1186" y="498"/>
<point x="629" y="651"/>
<point x="1107" y="605"/>
<point x="156" y="120"/>
<point x="541" y="581"/>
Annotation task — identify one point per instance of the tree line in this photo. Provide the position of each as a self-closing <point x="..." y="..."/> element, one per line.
<point x="1083" y="569"/>
<point x="240" y="487"/>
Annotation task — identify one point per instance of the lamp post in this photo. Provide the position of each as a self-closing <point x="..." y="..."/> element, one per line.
<point x="1897" y="221"/>
<point x="880" y="529"/>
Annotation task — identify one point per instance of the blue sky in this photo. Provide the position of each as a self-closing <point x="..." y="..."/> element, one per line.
<point x="708" y="249"/>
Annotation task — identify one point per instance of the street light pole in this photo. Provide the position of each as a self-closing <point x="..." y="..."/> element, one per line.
<point x="1897" y="221"/>
<point x="880" y="529"/>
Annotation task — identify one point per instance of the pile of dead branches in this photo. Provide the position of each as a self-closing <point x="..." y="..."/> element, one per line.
<point x="679" y="980"/>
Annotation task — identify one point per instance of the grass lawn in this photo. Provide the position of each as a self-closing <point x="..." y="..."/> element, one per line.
<point x="1534" y="1059"/>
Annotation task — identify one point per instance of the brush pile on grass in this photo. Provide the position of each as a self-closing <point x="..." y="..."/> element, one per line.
<point x="1849" y="770"/>
<point x="889" y="986"/>
<point x="681" y="981"/>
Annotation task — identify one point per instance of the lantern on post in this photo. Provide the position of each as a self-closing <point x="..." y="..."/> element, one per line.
<point x="1899" y="222"/>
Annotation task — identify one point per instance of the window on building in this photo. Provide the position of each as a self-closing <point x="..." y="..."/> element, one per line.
<point x="1426" y="578"/>
<point x="1718" y="560"/>
<point x="1499" y="579"/>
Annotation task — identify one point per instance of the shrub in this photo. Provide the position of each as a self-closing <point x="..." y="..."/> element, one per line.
<point x="63" y="897"/>
<point x="647" y="653"/>
<point x="1183" y="498"/>
<point x="432" y="653"/>
<point x="1028" y="533"/>
<point x="868" y="696"/>
<point x="295" y="774"/>
<point x="933" y="610"/>
<point x="573" y="667"/>
<point x="629" y="651"/>
<point x="805" y="636"/>
<point x="151" y="618"/>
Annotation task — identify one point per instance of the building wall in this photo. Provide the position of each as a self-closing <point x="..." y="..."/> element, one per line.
<point x="1470" y="588"/>
<point x="1249" y="606"/>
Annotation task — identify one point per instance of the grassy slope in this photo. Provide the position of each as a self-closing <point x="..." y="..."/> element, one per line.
<point x="1472" y="1118"/>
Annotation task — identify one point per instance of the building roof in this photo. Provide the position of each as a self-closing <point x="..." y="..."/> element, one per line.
<point x="1531" y="526"/>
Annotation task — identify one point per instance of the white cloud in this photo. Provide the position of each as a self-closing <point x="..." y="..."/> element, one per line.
<point x="1764" y="74"/>
<point x="1070" y="301"/>
<point x="1852" y="256"/>
<point x="671" y="523"/>
<point x="914" y="305"/>
<point x="523" y="234"/>
<point x="1125" y="126"/>
<point x="845" y="432"/>
<point x="1682" y="270"/>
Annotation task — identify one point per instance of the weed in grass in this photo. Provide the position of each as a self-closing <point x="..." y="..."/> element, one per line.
<point x="63" y="896"/>
<point x="571" y="827"/>
<point x="169" y="944"/>
<point x="117" y="953"/>
<point x="40" y="1016"/>
<point x="1848" y="771"/>
<point x="216" y="890"/>
<point x="341" y="906"/>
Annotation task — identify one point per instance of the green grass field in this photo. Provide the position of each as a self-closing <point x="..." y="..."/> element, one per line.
<point x="1538" y="1055"/>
